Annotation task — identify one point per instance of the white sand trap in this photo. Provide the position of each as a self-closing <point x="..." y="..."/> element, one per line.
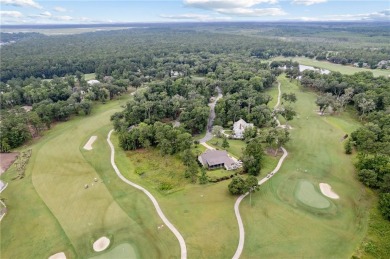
<point x="326" y="190"/>
<point x="101" y="244"/>
<point x="88" y="146"/>
<point x="60" y="255"/>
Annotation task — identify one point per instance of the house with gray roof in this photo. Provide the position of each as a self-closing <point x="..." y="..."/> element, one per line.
<point x="213" y="159"/>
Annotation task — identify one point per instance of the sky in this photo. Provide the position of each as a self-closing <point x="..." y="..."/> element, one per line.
<point x="131" y="11"/>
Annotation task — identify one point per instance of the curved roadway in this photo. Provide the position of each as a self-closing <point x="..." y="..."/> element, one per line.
<point x="210" y="121"/>
<point x="179" y="237"/>
<point x="241" y="229"/>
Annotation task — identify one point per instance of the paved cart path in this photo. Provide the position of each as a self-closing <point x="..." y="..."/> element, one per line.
<point x="179" y="237"/>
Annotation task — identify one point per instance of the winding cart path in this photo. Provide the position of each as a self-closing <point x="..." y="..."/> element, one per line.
<point x="179" y="237"/>
<point x="241" y="229"/>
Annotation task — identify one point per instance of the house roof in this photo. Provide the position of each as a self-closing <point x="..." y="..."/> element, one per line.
<point x="216" y="157"/>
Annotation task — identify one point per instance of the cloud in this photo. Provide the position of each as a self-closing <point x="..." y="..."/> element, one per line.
<point x="21" y="3"/>
<point x="225" y="4"/>
<point x="375" y="16"/>
<point x="308" y="2"/>
<point x="243" y="8"/>
<point x="197" y="17"/>
<point x="249" y="12"/>
<point x="60" y="9"/>
<point x="12" y="14"/>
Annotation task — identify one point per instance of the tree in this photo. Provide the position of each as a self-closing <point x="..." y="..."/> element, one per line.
<point x="217" y="131"/>
<point x="249" y="133"/>
<point x="192" y="172"/>
<point x="289" y="97"/>
<point x="288" y="113"/>
<point x="324" y="101"/>
<point x="253" y="157"/>
<point x="237" y="186"/>
<point x="251" y="184"/>
<point x="203" y="176"/>
<point x="225" y="143"/>
<point x="368" y="177"/>
<point x="384" y="205"/>
<point x="348" y="147"/>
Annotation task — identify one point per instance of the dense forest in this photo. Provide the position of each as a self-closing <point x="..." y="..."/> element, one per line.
<point x="145" y="48"/>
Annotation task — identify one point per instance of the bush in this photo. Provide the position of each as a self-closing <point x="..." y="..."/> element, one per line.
<point x="348" y="147"/>
<point x="384" y="205"/>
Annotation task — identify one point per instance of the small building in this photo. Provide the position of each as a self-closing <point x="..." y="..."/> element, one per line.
<point x="239" y="128"/>
<point x="213" y="159"/>
<point x="93" y="82"/>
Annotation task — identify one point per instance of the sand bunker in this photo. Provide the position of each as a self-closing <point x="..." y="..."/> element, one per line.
<point x="88" y="146"/>
<point x="326" y="190"/>
<point x="60" y="255"/>
<point x="101" y="244"/>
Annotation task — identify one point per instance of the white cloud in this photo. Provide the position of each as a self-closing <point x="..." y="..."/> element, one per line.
<point x="62" y="18"/>
<point x="225" y="4"/>
<point x="249" y="12"/>
<point x="197" y="17"/>
<point x="21" y="3"/>
<point x="237" y="7"/>
<point x="12" y="14"/>
<point x="60" y="9"/>
<point x="375" y="16"/>
<point x="308" y="2"/>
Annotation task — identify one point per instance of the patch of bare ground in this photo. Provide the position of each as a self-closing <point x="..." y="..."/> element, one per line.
<point x="6" y="160"/>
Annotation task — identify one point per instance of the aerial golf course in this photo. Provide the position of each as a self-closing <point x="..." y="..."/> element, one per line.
<point x="74" y="197"/>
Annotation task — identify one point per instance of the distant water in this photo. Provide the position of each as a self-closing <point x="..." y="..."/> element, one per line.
<point x="322" y="71"/>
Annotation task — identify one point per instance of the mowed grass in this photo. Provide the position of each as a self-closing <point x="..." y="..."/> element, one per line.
<point x="51" y="211"/>
<point x="349" y="70"/>
<point x="89" y="76"/>
<point x="277" y="226"/>
<point x="235" y="148"/>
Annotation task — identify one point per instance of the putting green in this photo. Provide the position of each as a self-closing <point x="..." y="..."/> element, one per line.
<point x="124" y="250"/>
<point x="306" y="193"/>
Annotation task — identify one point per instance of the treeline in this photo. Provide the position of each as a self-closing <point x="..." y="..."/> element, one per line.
<point x="170" y="140"/>
<point x="370" y="96"/>
<point x="243" y="86"/>
<point x="183" y="99"/>
<point x="157" y="50"/>
<point x="45" y="102"/>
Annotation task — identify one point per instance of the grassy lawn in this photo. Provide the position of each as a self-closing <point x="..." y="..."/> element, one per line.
<point x="165" y="173"/>
<point x="349" y="70"/>
<point x="278" y="225"/>
<point x="89" y="76"/>
<point x="235" y="146"/>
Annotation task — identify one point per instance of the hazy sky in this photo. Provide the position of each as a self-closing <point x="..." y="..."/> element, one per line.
<point x="99" y="11"/>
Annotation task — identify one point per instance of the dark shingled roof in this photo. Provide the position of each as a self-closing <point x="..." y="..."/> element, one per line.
<point x="216" y="157"/>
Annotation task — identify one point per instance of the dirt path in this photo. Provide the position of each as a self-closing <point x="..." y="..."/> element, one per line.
<point x="241" y="229"/>
<point x="179" y="237"/>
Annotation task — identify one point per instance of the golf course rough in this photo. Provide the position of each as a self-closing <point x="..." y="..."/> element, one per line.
<point x="307" y="194"/>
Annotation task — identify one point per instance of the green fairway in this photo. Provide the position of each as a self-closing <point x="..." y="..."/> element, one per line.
<point x="307" y="194"/>
<point x="276" y="225"/>
<point x="349" y="70"/>
<point x="62" y="214"/>
<point x="121" y="251"/>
